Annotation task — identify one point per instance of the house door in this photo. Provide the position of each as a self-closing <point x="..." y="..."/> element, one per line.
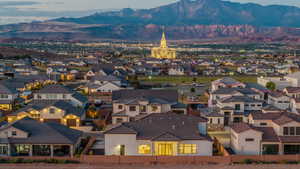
<point x="226" y="118"/>
<point x="122" y="150"/>
<point x="165" y="149"/>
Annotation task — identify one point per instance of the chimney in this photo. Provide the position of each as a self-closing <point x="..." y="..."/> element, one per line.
<point x="202" y="127"/>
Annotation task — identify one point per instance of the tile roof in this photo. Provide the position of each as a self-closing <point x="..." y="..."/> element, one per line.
<point x="167" y="95"/>
<point x="55" y="89"/>
<point x="240" y="99"/>
<point x="242" y="127"/>
<point x="163" y="126"/>
<point x="44" y="133"/>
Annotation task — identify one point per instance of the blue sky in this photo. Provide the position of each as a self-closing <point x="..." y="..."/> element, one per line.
<point x="15" y="11"/>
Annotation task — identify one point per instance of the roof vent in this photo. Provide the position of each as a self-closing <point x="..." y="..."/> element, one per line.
<point x="182" y="122"/>
<point x="173" y="127"/>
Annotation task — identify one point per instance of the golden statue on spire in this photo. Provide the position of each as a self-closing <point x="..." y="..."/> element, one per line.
<point x="163" y="52"/>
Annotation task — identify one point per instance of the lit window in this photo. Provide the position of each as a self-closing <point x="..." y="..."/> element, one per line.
<point x="144" y="149"/>
<point x="187" y="148"/>
<point x="132" y="108"/>
<point x="154" y="108"/>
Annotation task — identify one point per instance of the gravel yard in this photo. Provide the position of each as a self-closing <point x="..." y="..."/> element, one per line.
<point x="82" y="166"/>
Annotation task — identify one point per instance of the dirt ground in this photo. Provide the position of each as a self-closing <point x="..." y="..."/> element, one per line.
<point x="83" y="166"/>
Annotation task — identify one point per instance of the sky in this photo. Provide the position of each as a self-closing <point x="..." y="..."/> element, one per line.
<point x="14" y="11"/>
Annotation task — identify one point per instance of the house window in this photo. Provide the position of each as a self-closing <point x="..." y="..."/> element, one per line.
<point x="3" y="150"/>
<point x="154" y="108"/>
<point x="210" y="121"/>
<point x="285" y="131"/>
<point x="143" y="109"/>
<point x="14" y="133"/>
<point x="3" y="96"/>
<point x="219" y="121"/>
<point x="120" y="107"/>
<point x="119" y="120"/>
<point x="237" y="107"/>
<point x="292" y="131"/>
<point x="249" y="139"/>
<point x="144" y="149"/>
<point x="52" y="111"/>
<point x="298" y="131"/>
<point x="132" y="108"/>
<point x="187" y="148"/>
<point x="263" y="124"/>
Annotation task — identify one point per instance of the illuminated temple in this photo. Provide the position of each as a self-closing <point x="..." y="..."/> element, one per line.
<point x="163" y="52"/>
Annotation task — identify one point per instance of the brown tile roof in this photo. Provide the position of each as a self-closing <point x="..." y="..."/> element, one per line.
<point x="283" y="119"/>
<point x="269" y="135"/>
<point x="293" y="89"/>
<point x="265" y="116"/>
<point x="289" y="139"/>
<point x="241" y="127"/>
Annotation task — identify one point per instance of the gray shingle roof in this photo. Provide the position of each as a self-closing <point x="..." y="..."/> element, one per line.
<point x="45" y="133"/>
<point x="155" y="126"/>
<point x="55" y="89"/>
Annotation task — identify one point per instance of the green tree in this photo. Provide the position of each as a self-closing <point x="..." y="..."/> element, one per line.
<point x="271" y="86"/>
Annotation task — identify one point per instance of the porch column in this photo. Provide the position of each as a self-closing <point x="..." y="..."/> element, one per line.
<point x="51" y="150"/>
<point x="8" y="150"/>
<point x="281" y="149"/>
<point x="30" y="150"/>
<point x="71" y="150"/>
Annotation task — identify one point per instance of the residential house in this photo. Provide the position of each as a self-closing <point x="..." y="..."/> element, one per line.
<point x="293" y="92"/>
<point x="59" y="111"/>
<point x="267" y="133"/>
<point x="167" y="134"/>
<point x="28" y="137"/>
<point x="279" y="100"/>
<point x="226" y="82"/>
<point x="8" y="96"/>
<point x="59" y="92"/>
<point x="129" y="105"/>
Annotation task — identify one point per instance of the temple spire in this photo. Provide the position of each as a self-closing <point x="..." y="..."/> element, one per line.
<point x="163" y="42"/>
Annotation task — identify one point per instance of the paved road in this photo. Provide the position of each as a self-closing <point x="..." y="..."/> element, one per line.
<point x="82" y="166"/>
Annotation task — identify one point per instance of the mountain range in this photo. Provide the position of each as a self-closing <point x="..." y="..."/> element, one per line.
<point x="185" y="19"/>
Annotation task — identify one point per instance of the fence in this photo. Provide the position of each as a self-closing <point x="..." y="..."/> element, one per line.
<point x="150" y="160"/>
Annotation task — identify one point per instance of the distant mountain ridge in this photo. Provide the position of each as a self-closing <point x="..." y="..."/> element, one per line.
<point x="183" y="20"/>
<point x="204" y="12"/>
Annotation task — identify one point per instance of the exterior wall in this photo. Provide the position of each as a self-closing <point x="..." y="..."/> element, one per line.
<point x="204" y="147"/>
<point x="241" y="146"/>
<point x="52" y="96"/>
<point x="282" y="103"/>
<point x="108" y="88"/>
<point x="279" y="129"/>
<point x="280" y="83"/>
<point x="112" y="141"/>
<point x="7" y="133"/>
<point x="58" y="114"/>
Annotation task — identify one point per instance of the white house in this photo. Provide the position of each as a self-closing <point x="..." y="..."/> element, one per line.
<point x="267" y="133"/>
<point x="166" y="134"/>
<point x="279" y="100"/>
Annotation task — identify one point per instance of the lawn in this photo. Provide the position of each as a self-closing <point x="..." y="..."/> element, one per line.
<point x="190" y="79"/>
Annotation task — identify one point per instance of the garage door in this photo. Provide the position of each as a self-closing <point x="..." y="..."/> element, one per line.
<point x="71" y="122"/>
